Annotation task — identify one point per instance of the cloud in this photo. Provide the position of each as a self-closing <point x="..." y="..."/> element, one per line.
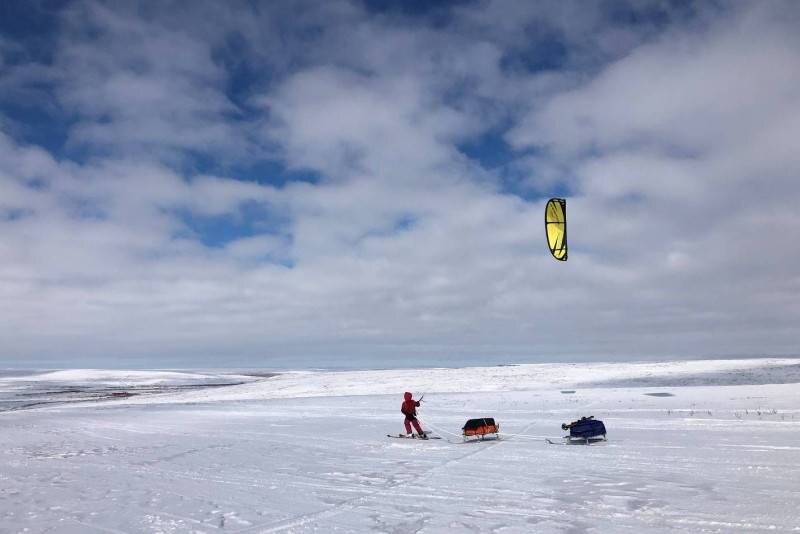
<point x="686" y="91"/>
<point x="142" y="238"/>
<point x="680" y="148"/>
<point x="136" y="84"/>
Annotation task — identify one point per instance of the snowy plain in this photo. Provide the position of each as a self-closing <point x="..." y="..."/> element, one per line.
<point x="693" y="446"/>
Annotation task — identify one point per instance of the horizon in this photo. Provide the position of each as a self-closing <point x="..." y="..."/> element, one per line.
<point x="394" y="365"/>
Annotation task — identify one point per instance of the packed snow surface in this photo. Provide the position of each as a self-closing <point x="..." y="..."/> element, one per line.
<point x="697" y="446"/>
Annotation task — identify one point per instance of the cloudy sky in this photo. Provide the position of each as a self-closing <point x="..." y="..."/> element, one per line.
<point x="256" y="183"/>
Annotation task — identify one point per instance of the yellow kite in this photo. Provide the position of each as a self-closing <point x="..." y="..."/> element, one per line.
<point x="555" y="224"/>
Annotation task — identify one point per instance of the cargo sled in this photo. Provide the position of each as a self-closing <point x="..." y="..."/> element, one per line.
<point x="585" y="430"/>
<point x="480" y="428"/>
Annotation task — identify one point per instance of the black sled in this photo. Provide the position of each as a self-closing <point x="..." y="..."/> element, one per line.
<point x="585" y="430"/>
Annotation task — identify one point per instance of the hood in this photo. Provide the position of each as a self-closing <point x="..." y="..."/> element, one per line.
<point x="407" y="395"/>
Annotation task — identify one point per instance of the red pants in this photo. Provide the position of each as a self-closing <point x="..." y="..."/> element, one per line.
<point x="412" y="421"/>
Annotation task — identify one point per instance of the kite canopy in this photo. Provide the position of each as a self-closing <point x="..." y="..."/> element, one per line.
<point x="555" y="223"/>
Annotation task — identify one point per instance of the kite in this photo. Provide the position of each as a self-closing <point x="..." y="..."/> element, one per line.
<point x="555" y="224"/>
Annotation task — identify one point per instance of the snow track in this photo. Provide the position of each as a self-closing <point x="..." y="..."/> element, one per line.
<point x="364" y="500"/>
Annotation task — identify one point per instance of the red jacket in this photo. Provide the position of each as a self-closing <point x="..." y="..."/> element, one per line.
<point x="409" y="407"/>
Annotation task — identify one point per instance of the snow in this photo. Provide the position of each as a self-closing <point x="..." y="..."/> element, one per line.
<point x="307" y="452"/>
<point x="115" y="377"/>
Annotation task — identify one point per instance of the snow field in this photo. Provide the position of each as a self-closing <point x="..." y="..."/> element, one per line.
<point x="721" y="458"/>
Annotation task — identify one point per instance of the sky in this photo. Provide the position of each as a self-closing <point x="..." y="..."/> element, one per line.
<point x="363" y="183"/>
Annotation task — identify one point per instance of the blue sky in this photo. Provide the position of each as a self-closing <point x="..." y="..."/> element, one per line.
<point x="212" y="184"/>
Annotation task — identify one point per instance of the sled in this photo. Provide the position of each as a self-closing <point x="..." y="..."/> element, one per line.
<point x="585" y="430"/>
<point x="480" y="428"/>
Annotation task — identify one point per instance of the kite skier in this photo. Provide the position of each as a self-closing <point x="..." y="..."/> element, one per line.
<point x="409" y="409"/>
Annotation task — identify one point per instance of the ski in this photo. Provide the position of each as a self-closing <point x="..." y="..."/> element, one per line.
<point x="574" y="441"/>
<point x="403" y="436"/>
